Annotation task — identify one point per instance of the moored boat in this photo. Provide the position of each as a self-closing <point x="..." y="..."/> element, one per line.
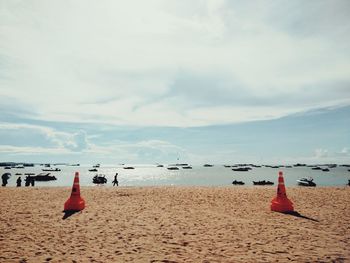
<point x="173" y="168"/>
<point x="235" y="182"/>
<point x="99" y="179"/>
<point x="263" y="182"/>
<point x="44" y="177"/>
<point x="306" y="182"/>
<point x="51" y="170"/>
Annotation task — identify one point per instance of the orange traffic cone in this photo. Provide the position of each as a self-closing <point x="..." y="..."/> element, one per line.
<point x="75" y="202"/>
<point x="281" y="203"/>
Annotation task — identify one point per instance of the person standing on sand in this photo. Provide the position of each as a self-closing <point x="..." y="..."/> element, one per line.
<point x="5" y="178"/>
<point x="19" y="182"/>
<point x="27" y="180"/>
<point x="115" y="181"/>
<point x="32" y="181"/>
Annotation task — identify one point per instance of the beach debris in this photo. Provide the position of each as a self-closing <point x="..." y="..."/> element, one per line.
<point x="281" y="203"/>
<point x="75" y="202"/>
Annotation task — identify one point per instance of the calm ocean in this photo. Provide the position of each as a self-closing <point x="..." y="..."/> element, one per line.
<point x="150" y="175"/>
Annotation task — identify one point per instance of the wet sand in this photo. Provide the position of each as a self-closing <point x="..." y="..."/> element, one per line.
<point x="174" y="224"/>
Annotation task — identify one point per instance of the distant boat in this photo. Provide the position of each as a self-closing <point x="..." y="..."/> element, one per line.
<point x="208" y="165"/>
<point x="173" y="168"/>
<point x="186" y="167"/>
<point x="241" y="169"/>
<point x="7" y="168"/>
<point x="128" y="167"/>
<point x="93" y="170"/>
<point x="227" y="166"/>
<point x="51" y="170"/>
<point x="299" y="165"/>
<point x="325" y="170"/>
<point x="263" y="182"/>
<point x="306" y="181"/>
<point x="316" y="168"/>
<point x="44" y="177"/>
<point x="160" y="165"/>
<point x="96" y="166"/>
<point x="235" y="182"/>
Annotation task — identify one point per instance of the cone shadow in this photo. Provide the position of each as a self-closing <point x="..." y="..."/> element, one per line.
<point x="297" y="214"/>
<point x="68" y="214"/>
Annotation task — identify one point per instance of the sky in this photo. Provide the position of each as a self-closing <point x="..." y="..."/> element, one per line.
<point x="156" y="81"/>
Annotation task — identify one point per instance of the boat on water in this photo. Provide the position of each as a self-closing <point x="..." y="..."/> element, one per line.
<point x="208" y="165"/>
<point x="129" y="167"/>
<point x="93" y="170"/>
<point x="325" y="170"/>
<point x="316" y="168"/>
<point x="99" y="179"/>
<point x="172" y="168"/>
<point x="306" y="181"/>
<point x="160" y="165"/>
<point x="263" y="182"/>
<point x="44" y="177"/>
<point x="241" y="169"/>
<point x="96" y="166"/>
<point x="235" y="182"/>
<point x="186" y="167"/>
<point x="51" y="170"/>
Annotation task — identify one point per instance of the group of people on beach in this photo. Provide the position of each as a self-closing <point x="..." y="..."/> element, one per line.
<point x="29" y="180"/>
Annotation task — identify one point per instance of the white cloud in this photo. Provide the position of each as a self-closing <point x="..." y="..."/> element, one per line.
<point x="23" y="150"/>
<point x="44" y="136"/>
<point x="115" y="62"/>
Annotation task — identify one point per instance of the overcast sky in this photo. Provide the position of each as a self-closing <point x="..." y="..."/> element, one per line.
<point x="168" y="66"/>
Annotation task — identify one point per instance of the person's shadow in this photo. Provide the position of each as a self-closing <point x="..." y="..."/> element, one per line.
<point x="68" y="214"/>
<point x="297" y="214"/>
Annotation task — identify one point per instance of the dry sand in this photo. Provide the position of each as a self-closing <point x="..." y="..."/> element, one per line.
<point x="174" y="224"/>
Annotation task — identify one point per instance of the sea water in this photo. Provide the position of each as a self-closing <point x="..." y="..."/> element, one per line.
<point x="150" y="175"/>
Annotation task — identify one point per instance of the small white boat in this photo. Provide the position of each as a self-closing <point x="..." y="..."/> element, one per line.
<point x="306" y="181"/>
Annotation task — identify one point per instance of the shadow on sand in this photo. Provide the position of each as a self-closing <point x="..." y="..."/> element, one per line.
<point x="296" y="214"/>
<point x="68" y="214"/>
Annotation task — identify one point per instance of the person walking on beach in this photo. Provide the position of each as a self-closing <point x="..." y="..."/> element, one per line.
<point x="5" y="178"/>
<point x="19" y="182"/>
<point x="115" y="181"/>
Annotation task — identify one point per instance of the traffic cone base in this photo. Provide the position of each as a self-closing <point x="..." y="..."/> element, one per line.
<point x="281" y="203"/>
<point x="75" y="202"/>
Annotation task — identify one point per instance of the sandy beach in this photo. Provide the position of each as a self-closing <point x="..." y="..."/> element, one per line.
<point x="174" y="224"/>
